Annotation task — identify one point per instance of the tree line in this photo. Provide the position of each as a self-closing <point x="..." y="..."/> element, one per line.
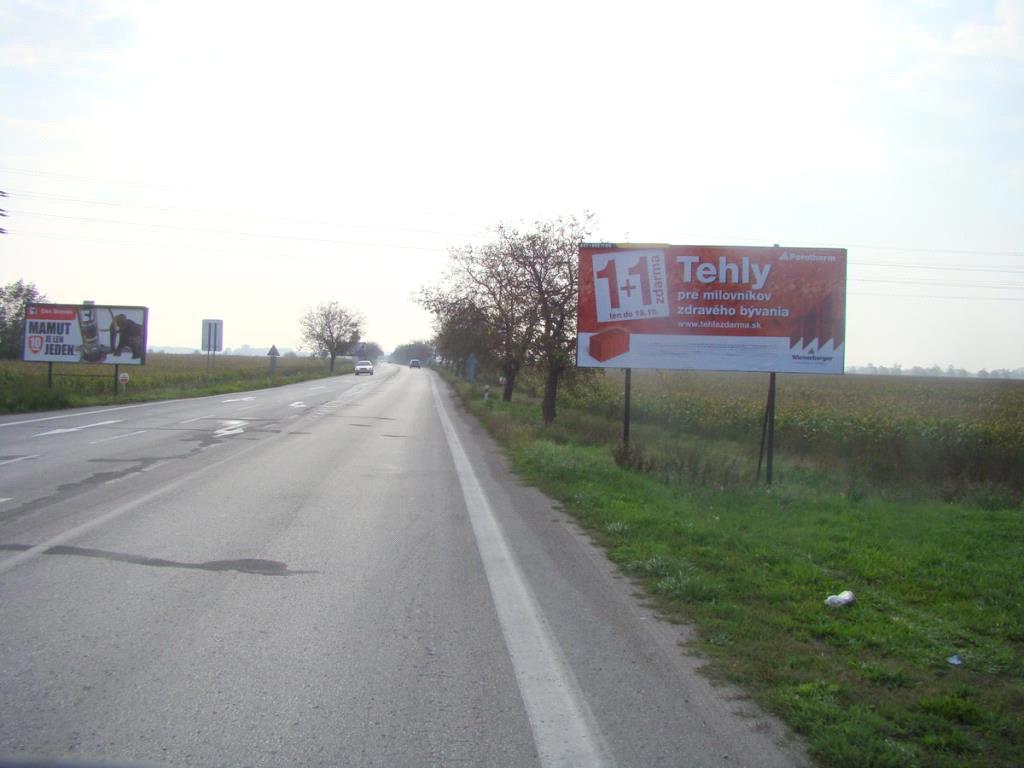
<point x="511" y="303"/>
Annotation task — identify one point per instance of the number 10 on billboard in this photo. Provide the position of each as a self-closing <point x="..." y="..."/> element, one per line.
<point x="630" y="285"/>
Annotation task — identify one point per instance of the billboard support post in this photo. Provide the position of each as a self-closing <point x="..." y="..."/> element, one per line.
<point x="49" y="375"/>
<point x="116" y="366"/>
<point x="625" y="409"/>
<point x="768" y="431"/>
<point x="713" y="308"/>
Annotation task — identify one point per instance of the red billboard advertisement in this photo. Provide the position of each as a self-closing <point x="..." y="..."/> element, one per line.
<point x="712" y="307"/>
<point x="86" y="333"/>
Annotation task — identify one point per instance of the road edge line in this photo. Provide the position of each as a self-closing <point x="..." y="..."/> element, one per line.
<point x="564" y="729"/>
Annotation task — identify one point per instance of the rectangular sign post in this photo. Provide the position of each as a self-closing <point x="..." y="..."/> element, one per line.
<point x="213" y="338"/>
<point x="712" y="308"/>
<point x="86" y="333"/>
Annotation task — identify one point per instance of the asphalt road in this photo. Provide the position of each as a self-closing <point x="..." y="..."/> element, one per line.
<point x="332" y="573"/>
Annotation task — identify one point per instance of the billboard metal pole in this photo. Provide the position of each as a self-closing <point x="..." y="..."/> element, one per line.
<point x="768" y="431"/>
<point x="116" y="366"/>
<point x="625" y="409"/>
<point x="771" y="425"/>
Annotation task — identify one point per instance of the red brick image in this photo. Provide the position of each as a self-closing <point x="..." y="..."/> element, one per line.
<point x="608" y="344"/>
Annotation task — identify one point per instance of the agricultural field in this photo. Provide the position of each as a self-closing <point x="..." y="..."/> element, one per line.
<point x="905" y="491"/>
<point x="956" y="438"/>
<point x="24" y="386"/>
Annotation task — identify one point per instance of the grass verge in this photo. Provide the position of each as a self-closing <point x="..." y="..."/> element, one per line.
<point x="24" y="386"/>
<point x="866" y="685"/>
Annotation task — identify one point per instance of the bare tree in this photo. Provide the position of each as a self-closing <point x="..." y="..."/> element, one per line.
<point x="549" y="258"/>
<point x="461" y="331"/>
<point x="484" y="303"/>
<point x="330" y="329"/>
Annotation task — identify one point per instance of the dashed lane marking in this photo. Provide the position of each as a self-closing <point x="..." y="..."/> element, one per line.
<point x="19" y="458"/>
<point x="228" y="428"/>
<point x="117" y="437"/>
<point x="66" y="430"/>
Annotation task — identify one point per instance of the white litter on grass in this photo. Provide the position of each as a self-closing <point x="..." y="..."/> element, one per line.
<point x="845" y="597"/>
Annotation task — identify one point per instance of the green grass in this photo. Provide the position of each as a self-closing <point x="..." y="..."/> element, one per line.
<point x="23" y="386"/>
<point x="960" y="438"/>
<point x="750" y="567"/>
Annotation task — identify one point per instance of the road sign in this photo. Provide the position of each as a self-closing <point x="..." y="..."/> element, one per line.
<point x="213" y="335"/>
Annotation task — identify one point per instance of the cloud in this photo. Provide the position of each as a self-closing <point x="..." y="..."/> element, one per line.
<point x="1003" y="38"/>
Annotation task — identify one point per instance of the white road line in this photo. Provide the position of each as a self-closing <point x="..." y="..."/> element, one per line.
<point x="88" y="413"/>
<point x="66" y="430"/>
<point x="238" y="399"/>
<point x="63" y="538"/>
<point x="20" y="458"/>
<point x="297" y="404"/>
<point x="197" y="418"/>
<point x="564" y="729"/>
<point x="117" y="437"/>
<point x="4" y="498"/>
<point x="228" y="428"/>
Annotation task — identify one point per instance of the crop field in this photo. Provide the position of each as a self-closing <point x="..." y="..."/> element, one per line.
<point x="24" y="386"/>
<point x="905" y="491"/>
<point x="958" y="438"/>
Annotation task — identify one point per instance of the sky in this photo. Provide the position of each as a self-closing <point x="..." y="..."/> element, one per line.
<point x="247" y="161"/>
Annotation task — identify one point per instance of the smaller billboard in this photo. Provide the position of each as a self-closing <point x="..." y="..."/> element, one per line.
<point x="85" y="333"/>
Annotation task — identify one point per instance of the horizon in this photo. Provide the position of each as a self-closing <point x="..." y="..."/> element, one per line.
<point x="149" y="163"/>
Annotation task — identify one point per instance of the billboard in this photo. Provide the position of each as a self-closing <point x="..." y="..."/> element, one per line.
<point x="712" y="307"/>
<point x="86" y="333"/>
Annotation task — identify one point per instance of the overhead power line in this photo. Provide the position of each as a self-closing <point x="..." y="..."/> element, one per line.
<point x="252" y="254"/>
<point x="700" y="236"/>
<point x="865" y="246"/>
<point x="229" y="232"/>
<point x="947" y="267"/>
<point x="206" y="249"/>
<point x="235" y="214"/>
<point x="935" y="296"/>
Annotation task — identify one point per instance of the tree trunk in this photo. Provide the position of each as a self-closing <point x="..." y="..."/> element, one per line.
<point x="332" y="362"/>
<point x="510" y="383"/>
<point x="550" y="391"/>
